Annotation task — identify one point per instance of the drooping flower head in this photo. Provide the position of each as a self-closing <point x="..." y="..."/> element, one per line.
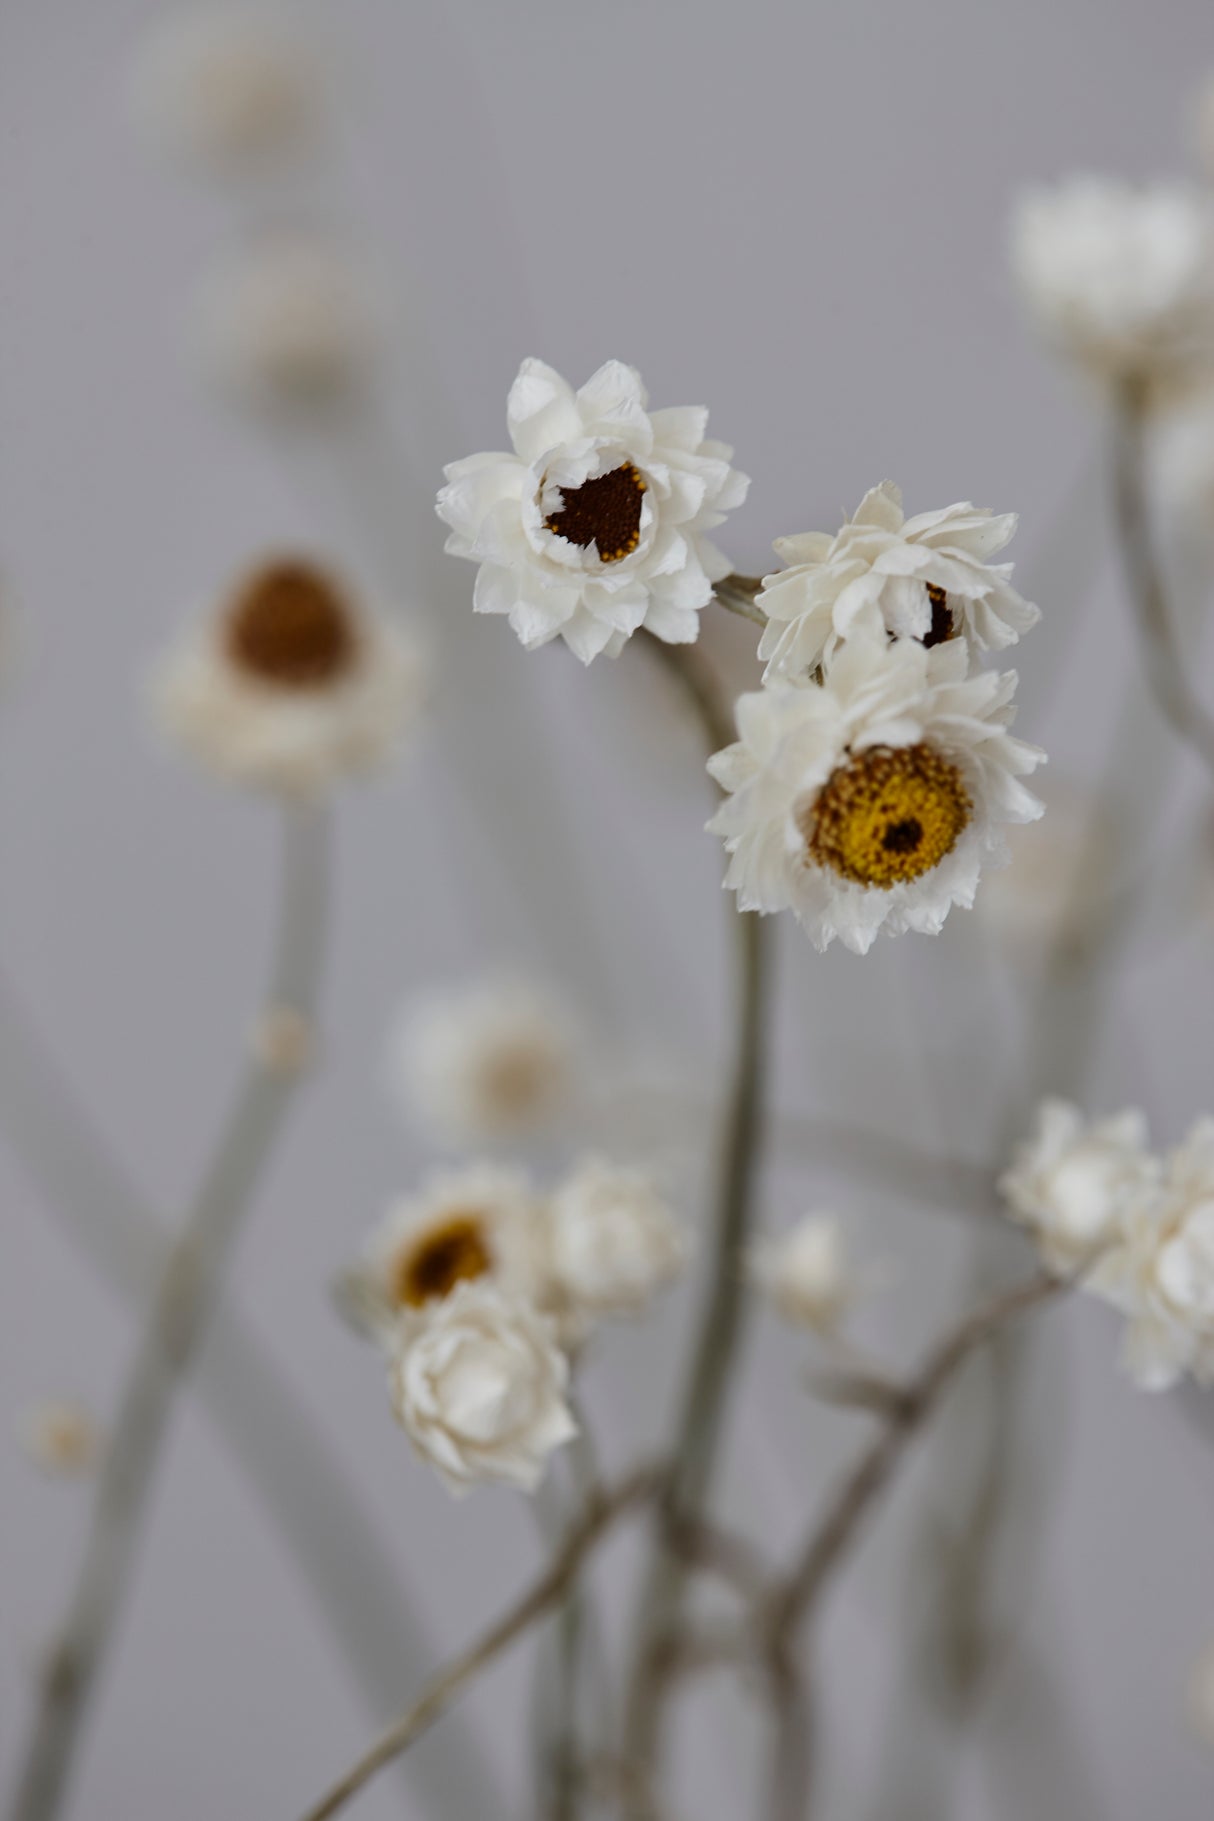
<point x="927" y="578"/>
<point x="612" y="1243"/>
<point x="1162" y="1274"/>
<point x="463" y="1226"/>
<point x="479" y="1386"/>
<point x="1074" y="1181"/>
<point x="1117" y="278"/>
<point x="873" y="800"/>
<point x="596" y="524"/>
<point x="291" y="682"/>
<point x="490" y="1061"/>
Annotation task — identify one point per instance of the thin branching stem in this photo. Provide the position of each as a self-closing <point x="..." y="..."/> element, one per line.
<point x="540" y="1598"/>
<point x="182" y="1304"/>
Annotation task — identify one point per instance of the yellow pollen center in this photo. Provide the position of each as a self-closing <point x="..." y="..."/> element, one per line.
<point x="605" y="512"/>
<point x="448" y="1255"/>
<point x="289" y="625"/>
<point x="888" y="815"/>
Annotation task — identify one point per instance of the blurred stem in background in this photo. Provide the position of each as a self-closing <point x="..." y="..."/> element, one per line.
<point x="182" y="1306"/>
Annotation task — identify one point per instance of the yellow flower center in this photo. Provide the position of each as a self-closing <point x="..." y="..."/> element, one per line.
<point x="888" y="815"/>
<point x="605" y="512"/>
<point x="289" y="625"/>
<point x="453" y="1253"/>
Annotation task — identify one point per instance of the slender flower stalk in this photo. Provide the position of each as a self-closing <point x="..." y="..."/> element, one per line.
<point x="719" y="1328"/>
<point x="182" y="1305"/>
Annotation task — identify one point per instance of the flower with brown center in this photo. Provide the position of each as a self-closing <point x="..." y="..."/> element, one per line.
<point x="605" y="512"/>
<point x="457" y="1251"/>
<point x="872" y="800"/>
<point x="888" y="815"/>
<point x="292" y="683"/>
<point x="290" y="625"/>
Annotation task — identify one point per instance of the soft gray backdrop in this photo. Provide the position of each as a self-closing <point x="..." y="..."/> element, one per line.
<point x="796" y="214"/>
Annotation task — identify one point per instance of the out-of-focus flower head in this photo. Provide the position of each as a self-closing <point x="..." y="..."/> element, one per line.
<point x="612" y="1243"/>
<point x="231" y="90"/>
<point x="875" y="799"/>
<point x="488" y="1061"/>
<point x="1119" y="279"/>
<point x="291" y="682"/>
<point x="1074" y="1181"/>
<point x="927" y="578"/>
<point x="293" y="326"/>
<point x="60" y="1437"/>
<point x="806" y="1274"/>
<point x="596" y="524"/>
<point x="479" y="1386"/>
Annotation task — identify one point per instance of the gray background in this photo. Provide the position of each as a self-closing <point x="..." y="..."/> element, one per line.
<point x="795" y="214"/>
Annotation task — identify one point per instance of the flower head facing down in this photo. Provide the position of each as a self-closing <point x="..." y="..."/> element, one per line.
<point x="1161" y="1276"/>
<point x="927" y="578"/>
<point x="872" y="800"/>
<point x="491" y="1061"/>
<point x="1117" y="278"/>
<point x="465" y="1226"/>
<point x="479" y="1386"/>
<point x="612" y="1244"/>
<point x="596" y="524"/>
<point x="1073" y="1182"/>
<point x="805" y="1274"/>
<point x="291" y="683"/>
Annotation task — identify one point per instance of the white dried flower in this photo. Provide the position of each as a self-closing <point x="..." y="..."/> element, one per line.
<point x="293" y="326"/>
<point x="1118" y="278"/>
<point x="1061" y="866"/>
<point x="872" y="800"/>
<point x="61" y="1438"/>
<point x="1074" y="1181"/>
<point x="595" y="525"/>
<point x="612" y="1244"/>
<point x="925" y="578"/>
<point x="232" y="90"/>
<point x="479" y="1387"/>
<point x="489" y="1061"/>
<point x="1162" y="1273"/>
<point x="291" y="683"/>
<point x="806" y="1274"/>
<point x="476" y="1223"/>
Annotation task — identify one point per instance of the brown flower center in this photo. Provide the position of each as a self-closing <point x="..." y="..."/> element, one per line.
<point x="605" y="512"/>
<point x="942" y="627"/>
<point x="888" y="815"/>
<point x="291" y="626"/>
<point x="451" y="1254"/>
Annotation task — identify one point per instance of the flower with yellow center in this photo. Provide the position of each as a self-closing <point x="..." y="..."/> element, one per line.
<point x="874" y="799"/>
<point x="462" y="1227"/>
<point x="291" y="682"/>
<point x="928" y="578"/>
<point x="596" y="524"/>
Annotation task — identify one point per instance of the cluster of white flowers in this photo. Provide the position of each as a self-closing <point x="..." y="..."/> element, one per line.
<point x="875" y="767"/>
<point x="290" y="682"/>
<point x="480" y="1289"/>
<point x="1138" y="1226"/>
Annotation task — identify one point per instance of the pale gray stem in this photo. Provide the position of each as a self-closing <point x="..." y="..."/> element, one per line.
<point x="450" y="1682"/>
<point x="303" y="1488"/>
<point x="180" y="1310"/>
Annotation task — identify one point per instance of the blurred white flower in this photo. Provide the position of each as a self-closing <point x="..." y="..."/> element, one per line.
<point x="1074" y="1181"/>
<point x="479" y="1386"/>
<point x="1200" y="1702"/>
<point x="293" y="326"/>
<point x="291" y="683"/>
<point x="806" y="1274"/>
<point x="925" y="578"/>
<point x="1162" y="1274"/>
<point x="874" y="799"/>
<point x="61" y="1438"/>
<point x="479" y="1222"/>
<point x="1061" y="866"/>
<point x="1118" y="278"/>
<point x="1182" y="459"/>
<point x="228" y="89"/>
<point x="612" y="1244"/>
<point x="490" y="1060"/>
<point x="595" y="525"/>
